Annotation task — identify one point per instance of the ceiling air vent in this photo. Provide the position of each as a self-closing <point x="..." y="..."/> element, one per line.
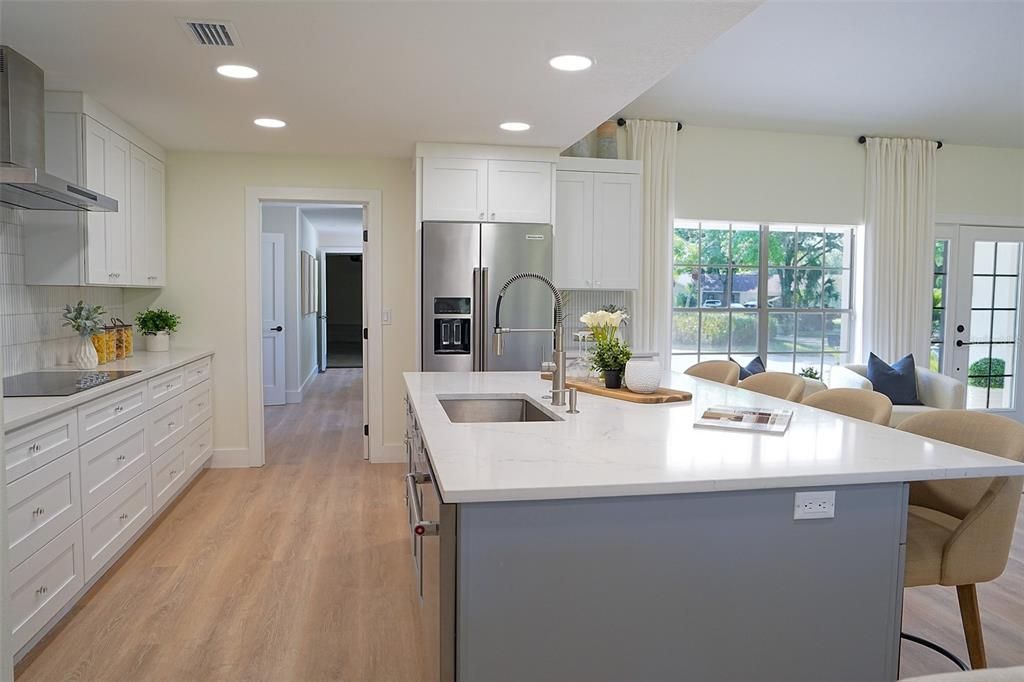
<point x="210" y="33"/>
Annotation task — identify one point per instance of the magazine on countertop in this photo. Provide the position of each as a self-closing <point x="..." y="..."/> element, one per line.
<point x="745" y="419"/>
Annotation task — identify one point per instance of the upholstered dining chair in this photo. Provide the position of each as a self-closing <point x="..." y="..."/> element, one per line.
<point x="959" y="532"/>
<point x="722" y="371"/>
<point x="776" y="384"/>
<point x="853" y="402"/>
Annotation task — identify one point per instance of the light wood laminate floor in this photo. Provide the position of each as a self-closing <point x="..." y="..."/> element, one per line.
<point x="301" y="571"/>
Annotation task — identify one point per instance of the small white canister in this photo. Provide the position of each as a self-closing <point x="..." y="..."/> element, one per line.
<point x="643" y="375"/>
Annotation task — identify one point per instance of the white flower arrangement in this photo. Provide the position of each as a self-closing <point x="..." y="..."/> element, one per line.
<point x="604" y="324"/>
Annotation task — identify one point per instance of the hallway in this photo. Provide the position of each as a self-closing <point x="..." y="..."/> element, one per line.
<point x="295" y="571"/>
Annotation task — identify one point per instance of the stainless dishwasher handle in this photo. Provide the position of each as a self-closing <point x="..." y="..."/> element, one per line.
<point x="419" y="526"/>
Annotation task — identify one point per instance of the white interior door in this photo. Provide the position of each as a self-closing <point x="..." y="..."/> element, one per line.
<point x="273" y="319"/>
<point x="988" y="325"/>
<point x="321" y="314"/>
<point x="366" y="324"/>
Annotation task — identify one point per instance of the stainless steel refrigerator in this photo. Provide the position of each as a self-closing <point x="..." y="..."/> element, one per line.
<point x="464" y="266"/>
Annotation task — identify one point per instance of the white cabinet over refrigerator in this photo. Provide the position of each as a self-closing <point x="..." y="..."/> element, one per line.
<point x="597" y="224"/>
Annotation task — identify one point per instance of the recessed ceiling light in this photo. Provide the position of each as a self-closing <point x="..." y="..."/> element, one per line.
<point x="571" y="62"/>
<point x="515" y="126"/>
<point x="237" y="71"/>
<point x="270" y="122"/>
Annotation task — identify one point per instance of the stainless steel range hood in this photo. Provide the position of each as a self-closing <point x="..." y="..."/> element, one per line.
<point x="24" y="183"/>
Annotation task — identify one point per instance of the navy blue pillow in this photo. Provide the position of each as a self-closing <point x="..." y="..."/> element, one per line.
<point x="898" y="382"/>
<point x="755" y="366"/>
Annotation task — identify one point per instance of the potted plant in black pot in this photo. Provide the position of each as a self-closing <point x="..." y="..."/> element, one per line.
<point x="156" y="325"/>
<point x="610" y="358"/>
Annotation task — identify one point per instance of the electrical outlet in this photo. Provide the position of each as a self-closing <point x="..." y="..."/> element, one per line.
<point x="816" y="504"/>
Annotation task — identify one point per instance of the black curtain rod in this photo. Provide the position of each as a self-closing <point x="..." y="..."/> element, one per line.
<point x="863" y="139"/>
<point x="622" y="122"/>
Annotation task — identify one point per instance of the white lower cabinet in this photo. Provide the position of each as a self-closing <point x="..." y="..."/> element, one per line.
<point x="31" y="447"/>
<point x="167" y="424"/>
<point x="82" y="484"/>
<point x="42" y="585"/>
<point x="112" y="460"/>
<point x="115" y="520"/>
<point x="199" y="447"/>
<point x="169" y="475"/>
<point x="40" y="505"/>
<point x="198" y="404"/>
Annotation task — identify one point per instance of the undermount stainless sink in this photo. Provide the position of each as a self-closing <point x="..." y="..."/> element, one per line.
<point x="489" y="409"/>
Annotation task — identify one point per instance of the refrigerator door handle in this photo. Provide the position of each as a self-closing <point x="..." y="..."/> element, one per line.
<point x="475" y="344"/>
<point x="483" y="320"/>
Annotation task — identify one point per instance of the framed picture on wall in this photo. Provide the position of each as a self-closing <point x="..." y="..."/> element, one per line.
<point x="306" y="271"/>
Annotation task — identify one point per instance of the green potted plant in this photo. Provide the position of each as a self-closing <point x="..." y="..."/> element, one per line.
<point x="610" y="358"/>
<point x="84" y="319"/>
<point x="156" y="325"/>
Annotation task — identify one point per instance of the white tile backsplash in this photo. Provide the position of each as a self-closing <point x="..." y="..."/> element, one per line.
<point x="31" y="334"/>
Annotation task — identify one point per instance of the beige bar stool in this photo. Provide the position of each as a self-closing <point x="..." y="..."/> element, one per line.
<point x="722" y="371"/>
<point x="776" y="384"/>
<point x="853" y="402"/>
<point x="959" y="532"/>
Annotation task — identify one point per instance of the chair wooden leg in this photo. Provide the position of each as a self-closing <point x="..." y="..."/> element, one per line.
<point x="970" y="615"/>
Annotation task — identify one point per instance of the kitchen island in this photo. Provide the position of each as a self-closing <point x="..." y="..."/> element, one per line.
<point x="623" y="543"/>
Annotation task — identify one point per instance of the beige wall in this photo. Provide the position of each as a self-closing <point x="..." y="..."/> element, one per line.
<point x="205" y="277"/>
<point x="733" y="174"/>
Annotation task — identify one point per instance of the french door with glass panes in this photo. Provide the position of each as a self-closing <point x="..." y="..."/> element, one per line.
<point x="986" y="327"/>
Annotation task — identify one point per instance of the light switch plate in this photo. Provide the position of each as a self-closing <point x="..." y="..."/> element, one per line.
<point x="815" y="504"/>
<point x="385" y="316"/>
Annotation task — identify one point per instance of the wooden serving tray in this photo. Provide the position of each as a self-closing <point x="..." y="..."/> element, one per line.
<point x="596" y="387"/>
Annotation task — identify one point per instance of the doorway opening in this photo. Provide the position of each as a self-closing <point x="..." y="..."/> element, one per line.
<point x="341" y="322"/>
<point x="296" y="237"/>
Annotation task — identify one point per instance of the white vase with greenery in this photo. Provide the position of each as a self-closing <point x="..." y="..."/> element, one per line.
<point x="84" y="319"/>
<point x="156" y="326"/>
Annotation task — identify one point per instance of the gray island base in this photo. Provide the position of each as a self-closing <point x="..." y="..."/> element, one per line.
<point x="622" y="543"/>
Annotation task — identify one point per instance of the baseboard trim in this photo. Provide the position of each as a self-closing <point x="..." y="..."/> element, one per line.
<point x="294" y="397"/>
<point x="230" y="458"/>
<point x="390" y="453"/>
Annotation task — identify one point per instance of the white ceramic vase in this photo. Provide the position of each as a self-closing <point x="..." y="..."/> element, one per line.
<point x="85" y="356"/>
<point x="643" y="375"/>
<point x="159" y="342"/>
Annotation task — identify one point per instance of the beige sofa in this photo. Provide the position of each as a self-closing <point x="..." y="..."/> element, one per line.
<point x="936" y="391"/>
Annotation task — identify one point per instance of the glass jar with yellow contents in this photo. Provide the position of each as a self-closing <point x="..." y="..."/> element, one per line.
<point x="129" y="338"/>
<point x="99" y="342"/>
<point x="110" y="341"/>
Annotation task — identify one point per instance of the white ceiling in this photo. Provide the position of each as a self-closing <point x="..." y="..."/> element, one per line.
<point x="952" y="71"/>
<point x="363" y="78"/>
<point x="330" y="219"/>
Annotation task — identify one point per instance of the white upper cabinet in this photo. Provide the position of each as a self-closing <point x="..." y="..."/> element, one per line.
<point x="147" y="220"/>
<point x="616" y="231"/>
<point x="108" y="234"/>
<point x="474" y="190"/>
<point x="597" y="227"/>
<point x="455" y="189"/>
<point x="88" y="145"/>
<point x="519" y="191"/>
<point x="574" y="218"/>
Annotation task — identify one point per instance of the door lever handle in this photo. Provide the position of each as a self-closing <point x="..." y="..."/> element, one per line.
<point x="278" y="328"/>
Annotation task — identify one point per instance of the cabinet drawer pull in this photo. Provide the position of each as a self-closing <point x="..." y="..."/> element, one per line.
<point x="121" y="458"/>
<point x="202" y="404"/>
<point x="419" y="526"/>
<point x="118" y="409"/>
<point x="41" y="590"/>
<point x="202" y="446"/>
<point x="168" y="386"/>
<point x="38" y="511"/>
<point x="123" y="517"/>
<point x="171" y="426"/>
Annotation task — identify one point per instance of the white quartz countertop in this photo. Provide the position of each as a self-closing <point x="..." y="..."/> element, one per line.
<point x="615" y="448"/>
<point x="22" y="411"/>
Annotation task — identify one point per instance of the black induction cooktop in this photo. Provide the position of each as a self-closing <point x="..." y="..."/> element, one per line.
<point x="59" y="382"/>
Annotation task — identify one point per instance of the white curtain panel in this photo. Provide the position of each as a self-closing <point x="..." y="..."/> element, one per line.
<point x="654" y="144"/>
<point x="899" y="211"/>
